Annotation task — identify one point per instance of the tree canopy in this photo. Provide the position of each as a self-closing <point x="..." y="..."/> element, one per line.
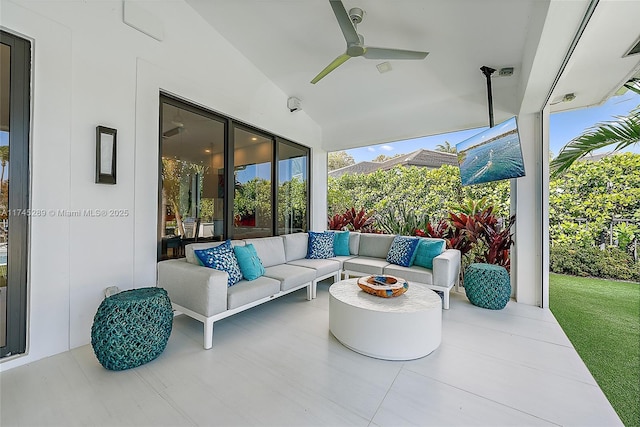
<point x="339" y="159"/>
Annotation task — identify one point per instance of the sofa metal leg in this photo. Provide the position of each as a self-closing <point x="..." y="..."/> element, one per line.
<point x="445" y="300"/>
<point x="208" y="334"/>
<point x="311" y="291"/>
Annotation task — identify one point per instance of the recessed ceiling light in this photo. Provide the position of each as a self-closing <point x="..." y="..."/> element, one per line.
<point x="254" y="139"/>
<point x="207" y="151"/>
<point x="384" y="67"/>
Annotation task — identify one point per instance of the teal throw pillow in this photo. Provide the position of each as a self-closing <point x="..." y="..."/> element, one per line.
<point x="221" y="258"/>
<point x="402" y="250"/>
<point x="427" y="250"/>
<point x="341" y="243"/>
<point x="320" y="245"/>
<point x="249" y="262"/>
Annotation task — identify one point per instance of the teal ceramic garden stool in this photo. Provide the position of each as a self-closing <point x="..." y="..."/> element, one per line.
<point x="131" y="328"/>
<point x="487" y="285"/>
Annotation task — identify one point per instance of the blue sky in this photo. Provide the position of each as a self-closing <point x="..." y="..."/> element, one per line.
<point x="563" y="128"/>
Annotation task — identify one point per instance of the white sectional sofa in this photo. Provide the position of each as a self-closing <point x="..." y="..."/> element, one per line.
<point x="372" y="259"/>
<point x="203" y="293"/>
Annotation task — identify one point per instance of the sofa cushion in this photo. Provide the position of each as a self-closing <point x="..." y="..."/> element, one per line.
<point x="375" y="245"/>
<point x="365" y="265"/>
<point x="342" y="259"/>
<point x="410" y="274"/>
<point x="427" y="250"/>
<point x="193" y="259"/>
<point x="290" y="276"/>
<point x="321" y="266"/>
<point x="320" y="245"/>
<point x="295" y="245"/>
<point x="403" y="250"/>
<point x="221" y="258"/>
<point x="249" y="262"/>
<point x="245" y="292"/>
<point x="341" y="243"/>
<point x="269" y="249"/>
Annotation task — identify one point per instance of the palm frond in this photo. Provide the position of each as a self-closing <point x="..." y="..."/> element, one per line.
<point x="621" y="133"/>
<point x="633" y="85"/>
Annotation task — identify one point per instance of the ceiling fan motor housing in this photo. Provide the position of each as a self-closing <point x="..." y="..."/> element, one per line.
<point x="356" y="14"/>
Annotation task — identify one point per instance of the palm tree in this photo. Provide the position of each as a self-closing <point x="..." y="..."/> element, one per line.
<point x="623" y="132"/>
<point x="446" y="148"/>
<point x="4" y="159"/>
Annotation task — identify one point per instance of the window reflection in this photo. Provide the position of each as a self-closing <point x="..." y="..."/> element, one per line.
<point x="292" y="188"/>
<point x="253" y="201"/>
<point x="192" y="178"/>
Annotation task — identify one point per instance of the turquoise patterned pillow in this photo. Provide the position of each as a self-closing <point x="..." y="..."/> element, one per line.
<point x="402" y="250"/>
<point x="221" y="258"/>
<point x="249" y="261"/>
<point x="320" y="245"/>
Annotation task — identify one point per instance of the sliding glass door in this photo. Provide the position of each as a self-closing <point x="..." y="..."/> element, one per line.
<point x="222" y="179"/>
<point x="15" y="77"/>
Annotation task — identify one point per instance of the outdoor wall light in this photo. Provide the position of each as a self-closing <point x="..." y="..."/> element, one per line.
<point x="105" y="155"/>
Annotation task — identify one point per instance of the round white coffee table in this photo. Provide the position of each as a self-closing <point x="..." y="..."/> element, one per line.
<point x="405" y="327"/>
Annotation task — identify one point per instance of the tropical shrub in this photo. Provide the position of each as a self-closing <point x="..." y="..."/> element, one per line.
<point x="429" y="193"/>
<point x="581" y="260"/>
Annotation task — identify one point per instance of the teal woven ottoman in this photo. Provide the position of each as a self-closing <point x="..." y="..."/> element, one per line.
<point x="487" y="285"/>
<point x="131" y="328"/>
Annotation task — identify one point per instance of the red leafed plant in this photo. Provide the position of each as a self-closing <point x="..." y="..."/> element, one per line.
<point x="358" y="220"/>
<point x="497" y="244"/>
<point x="338" y="222"/>
<point x="353" y="220"/>
<point x="479" y="236"/>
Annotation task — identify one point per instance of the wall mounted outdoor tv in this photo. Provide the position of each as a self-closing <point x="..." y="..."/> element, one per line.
<point x="491" y="155"/>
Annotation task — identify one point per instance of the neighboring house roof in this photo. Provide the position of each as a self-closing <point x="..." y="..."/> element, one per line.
<point x="421" y="158"/>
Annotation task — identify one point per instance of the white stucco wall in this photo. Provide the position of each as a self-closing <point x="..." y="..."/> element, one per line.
<point x="91" y="69"/>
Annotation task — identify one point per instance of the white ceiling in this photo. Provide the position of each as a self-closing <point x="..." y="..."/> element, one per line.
<point x="291" y="41"/>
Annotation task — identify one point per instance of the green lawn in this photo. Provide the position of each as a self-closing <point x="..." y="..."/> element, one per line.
<point x="602" y="320"/>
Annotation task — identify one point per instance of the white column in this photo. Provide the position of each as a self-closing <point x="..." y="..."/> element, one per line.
<point x="529" y="267"/>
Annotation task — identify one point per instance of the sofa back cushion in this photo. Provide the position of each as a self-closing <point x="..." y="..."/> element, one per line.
<point x="269" y="249"/>
<point x="375" y="245"/>
<point x="354" y="242"/>
<point x="295" y="245"/>
<point x="191" y="256"/>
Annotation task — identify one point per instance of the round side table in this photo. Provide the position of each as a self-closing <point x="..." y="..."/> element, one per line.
<point x="131" y="328"/>
<point x="487" y="285"/>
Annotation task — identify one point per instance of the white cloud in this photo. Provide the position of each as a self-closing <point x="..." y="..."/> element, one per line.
<point x="371" y="149"/>
<point x="386" y="148"/>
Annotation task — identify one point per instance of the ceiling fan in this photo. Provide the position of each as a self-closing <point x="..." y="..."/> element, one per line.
<point x="179" y="126"/>
<point x="355" y="42"/>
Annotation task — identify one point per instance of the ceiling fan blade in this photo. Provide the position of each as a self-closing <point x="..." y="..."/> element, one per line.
<point x="172" y="132"/>
<point x="348" y="30"/>
<point x="335" y="64"/>
<point x="385" y="53"/>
